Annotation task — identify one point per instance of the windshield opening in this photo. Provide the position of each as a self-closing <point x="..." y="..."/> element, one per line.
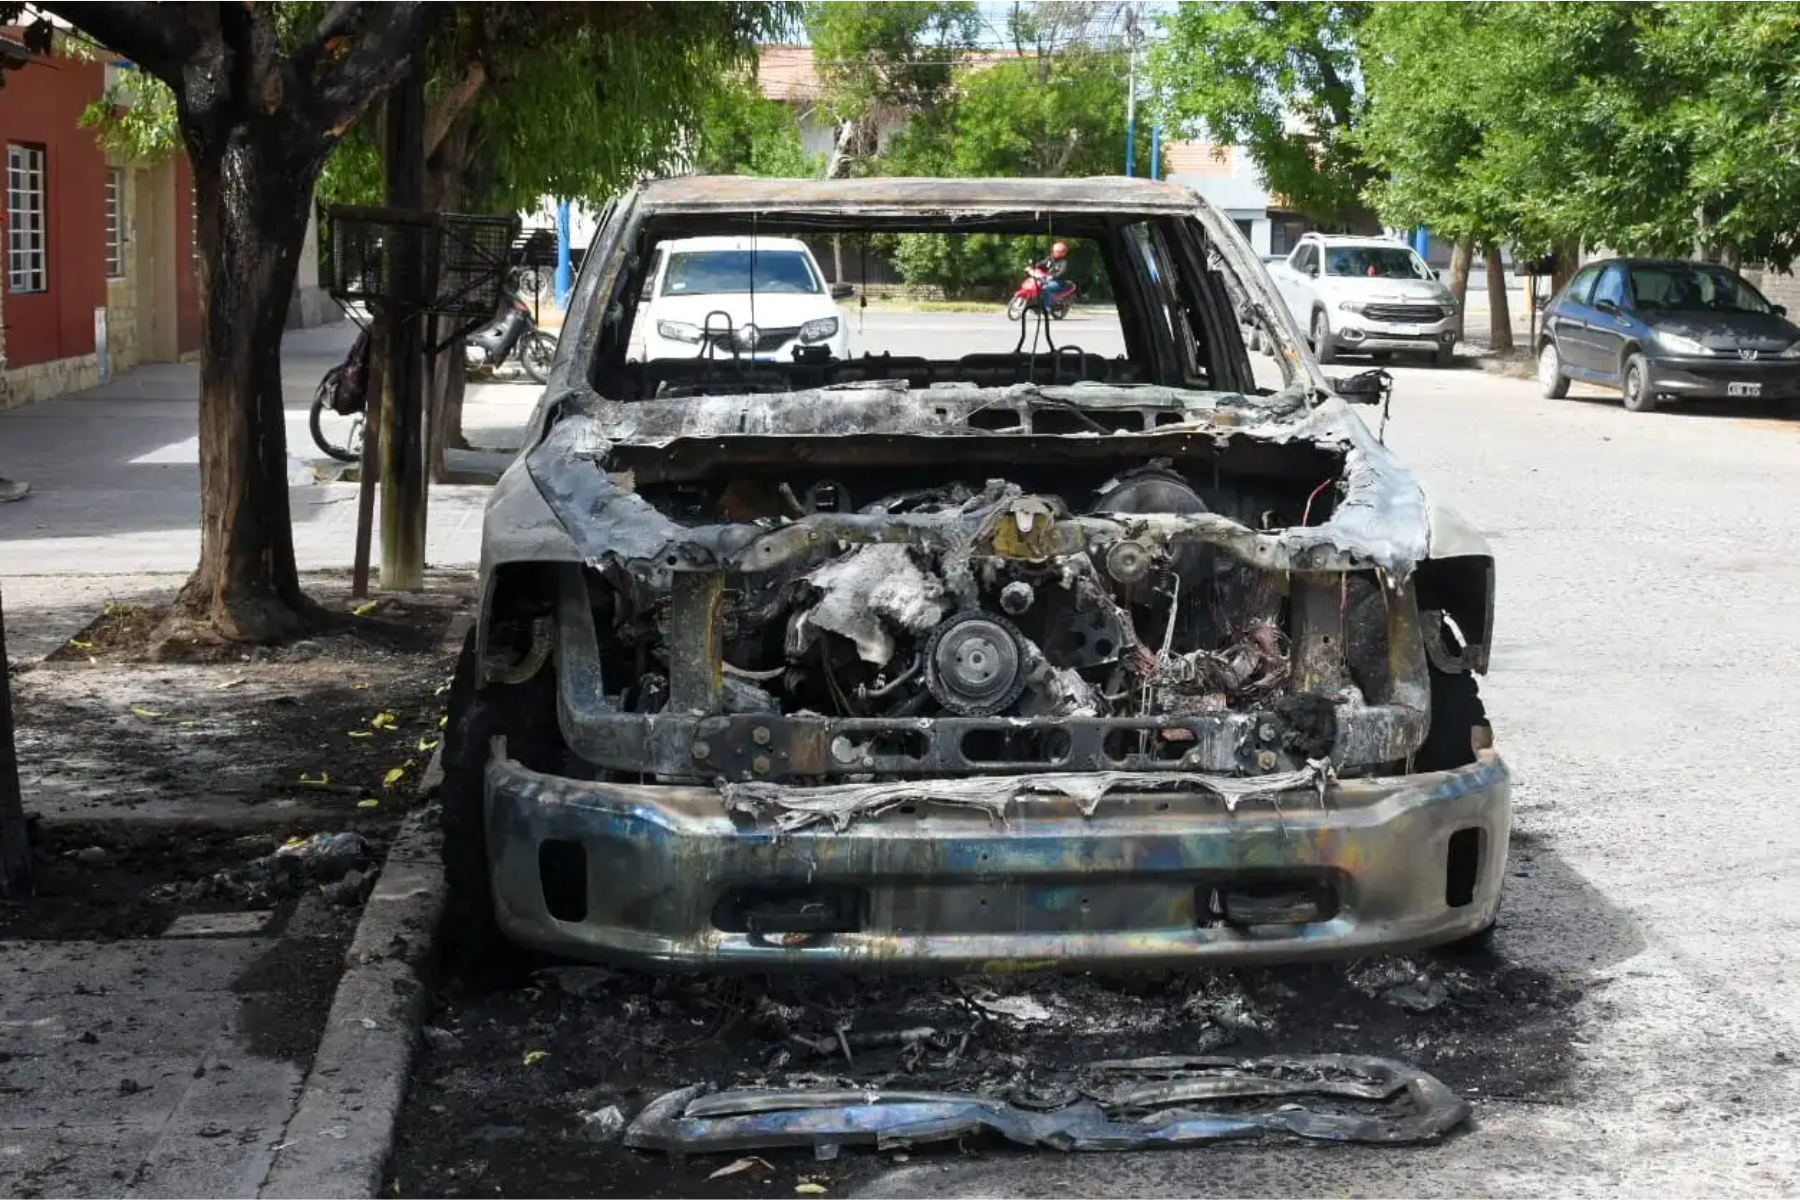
<point x="1680" y="287"/>
<point x="1375" y="262"/>
<point x="729" y="272"/>
<point x="835" y="302"/>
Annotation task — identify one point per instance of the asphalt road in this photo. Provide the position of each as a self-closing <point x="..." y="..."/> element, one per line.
<point x="1646" y="690"/>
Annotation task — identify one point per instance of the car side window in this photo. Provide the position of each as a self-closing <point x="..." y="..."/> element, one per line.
<point x="1306" y="259"/>
<point x="1611" y="288"/>
<point x="1582" y="286"/>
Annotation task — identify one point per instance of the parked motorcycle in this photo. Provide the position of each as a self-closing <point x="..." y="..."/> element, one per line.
<point x="340" y="402"/>
<point x="513" y="330"/>
<point x="1030" y="292"/>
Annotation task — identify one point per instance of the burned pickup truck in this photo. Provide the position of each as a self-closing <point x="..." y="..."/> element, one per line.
<point x="953" y="654"/>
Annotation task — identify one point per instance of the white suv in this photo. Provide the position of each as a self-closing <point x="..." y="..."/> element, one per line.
<point x="1366" y="295"/>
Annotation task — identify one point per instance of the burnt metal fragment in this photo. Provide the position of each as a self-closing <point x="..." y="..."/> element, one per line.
<point x="1128" y="1105"/>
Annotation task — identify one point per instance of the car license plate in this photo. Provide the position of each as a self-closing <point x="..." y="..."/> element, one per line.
<point x="1408" y="330"/>
<point x="1743" y="389"/>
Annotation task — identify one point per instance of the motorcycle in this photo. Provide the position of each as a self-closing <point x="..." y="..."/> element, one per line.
<point x="1030" y="292"/>
<point x="513" y="330"/>
<point x="340" y="402"/>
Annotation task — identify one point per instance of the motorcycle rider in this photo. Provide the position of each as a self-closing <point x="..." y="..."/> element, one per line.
<point x="1054" y="268"/>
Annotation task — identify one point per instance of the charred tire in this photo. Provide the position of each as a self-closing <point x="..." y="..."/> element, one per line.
<point x="1015" y="308"/>
<point x="1551" y="381"/>
<point x="1323" y="348"/>
<point x="536" y="354"/>
<point x="1456" y="713"/>
<point x="525" y="714"/>
<point x="1634" y="385"/>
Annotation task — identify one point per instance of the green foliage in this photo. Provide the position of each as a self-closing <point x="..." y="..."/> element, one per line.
<point x="353" y="174"/>
<point x="1060" y="116"/>
<point x="883" y="54"/>
<point x="744" y="132"/>
<point x="135" y="117"/>
<point x="1277" y="78"/>
<point x="1656" y="128"/>
<point x="580" y="100"/>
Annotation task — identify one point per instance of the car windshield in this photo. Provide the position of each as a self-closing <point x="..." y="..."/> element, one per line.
<point x="1375" y="262"/>
<point x="720" y="272"/>
<point x="1697" y="287"/>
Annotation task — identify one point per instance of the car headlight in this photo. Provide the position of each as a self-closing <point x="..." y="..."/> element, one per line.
<point x="678" y="331"/>
<point x="1351" y="306"/>
<point x="1792" y="351"/>
<point x="1447" y="307"/>
<point x="1674" y="343"/>
<point x="823" y="329"/>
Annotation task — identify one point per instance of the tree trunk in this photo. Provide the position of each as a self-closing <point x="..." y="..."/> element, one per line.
<point x="1500" y="336"/>
<point x="1568" y="261"/>
<point x="252" y="199"/>
<point x="15" y="833"/>
<point x="447" y="186"/>
<point x="1461" y="258"/>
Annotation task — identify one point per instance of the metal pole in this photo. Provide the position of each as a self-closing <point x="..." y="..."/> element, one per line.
<point x="564" y="276"/>
<point x="1131" y="93"/>
<point x="1156" y="150"/>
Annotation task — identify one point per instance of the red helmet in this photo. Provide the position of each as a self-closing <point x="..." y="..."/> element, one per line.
<point x="1060" y="250"/>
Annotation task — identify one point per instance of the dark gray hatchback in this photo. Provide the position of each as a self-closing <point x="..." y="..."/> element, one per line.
<point x="1667" y="329"/>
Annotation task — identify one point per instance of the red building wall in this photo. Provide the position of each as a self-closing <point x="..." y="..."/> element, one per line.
<point x="41" y="105"/>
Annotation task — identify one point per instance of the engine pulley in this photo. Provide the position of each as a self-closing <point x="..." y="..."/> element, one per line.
<point x="974" y="664"/>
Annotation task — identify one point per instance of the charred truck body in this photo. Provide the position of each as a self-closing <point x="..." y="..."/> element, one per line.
<point x="1025" y="659"/>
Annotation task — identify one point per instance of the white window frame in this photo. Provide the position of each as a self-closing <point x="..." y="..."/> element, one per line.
<point x="27" y="219"/>
<point x="115" y="223"/>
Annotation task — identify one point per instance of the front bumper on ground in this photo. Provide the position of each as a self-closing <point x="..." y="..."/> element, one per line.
<point x="1710" y="378"/>
<point x="666" y="875"/>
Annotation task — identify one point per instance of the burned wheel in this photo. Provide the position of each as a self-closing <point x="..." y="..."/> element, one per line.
<point x="525" y="715"/>
<point x="1458" y="721"/>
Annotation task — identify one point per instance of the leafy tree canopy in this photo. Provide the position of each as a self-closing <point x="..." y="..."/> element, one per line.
<point x="743" y="132"/>
<point x="1279" y="79"/>
<point x="878" y="53"/>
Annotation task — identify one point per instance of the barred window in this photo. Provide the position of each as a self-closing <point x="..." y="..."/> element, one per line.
<point x="115" y="224"/>
<point x="27" y="248"/>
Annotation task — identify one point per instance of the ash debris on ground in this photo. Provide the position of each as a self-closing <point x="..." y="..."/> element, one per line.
<point x="341" y="865"/>
<point x="555" y="1047"/>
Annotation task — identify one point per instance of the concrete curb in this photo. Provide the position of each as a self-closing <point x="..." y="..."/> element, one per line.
<point x="338" y="1141"/>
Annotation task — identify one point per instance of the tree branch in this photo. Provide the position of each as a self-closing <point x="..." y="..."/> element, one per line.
<point x="390" y="37"/>
<point x="339" y="20"/>
<point x="445" y="113"/>
<point x="160" y="38"/>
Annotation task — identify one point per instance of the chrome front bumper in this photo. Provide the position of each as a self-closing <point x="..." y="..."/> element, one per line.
<point x="665" y="875"/>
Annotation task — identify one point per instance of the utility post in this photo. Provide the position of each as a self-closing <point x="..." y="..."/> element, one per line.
<point x="1131" y="44"/>
<point x="402" y="412"/>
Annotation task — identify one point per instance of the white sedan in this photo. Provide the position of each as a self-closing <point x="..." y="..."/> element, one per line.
<point x="762" y="298"/>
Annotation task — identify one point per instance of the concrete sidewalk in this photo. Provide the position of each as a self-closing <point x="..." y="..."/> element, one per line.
<point x="114" y="472"/>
